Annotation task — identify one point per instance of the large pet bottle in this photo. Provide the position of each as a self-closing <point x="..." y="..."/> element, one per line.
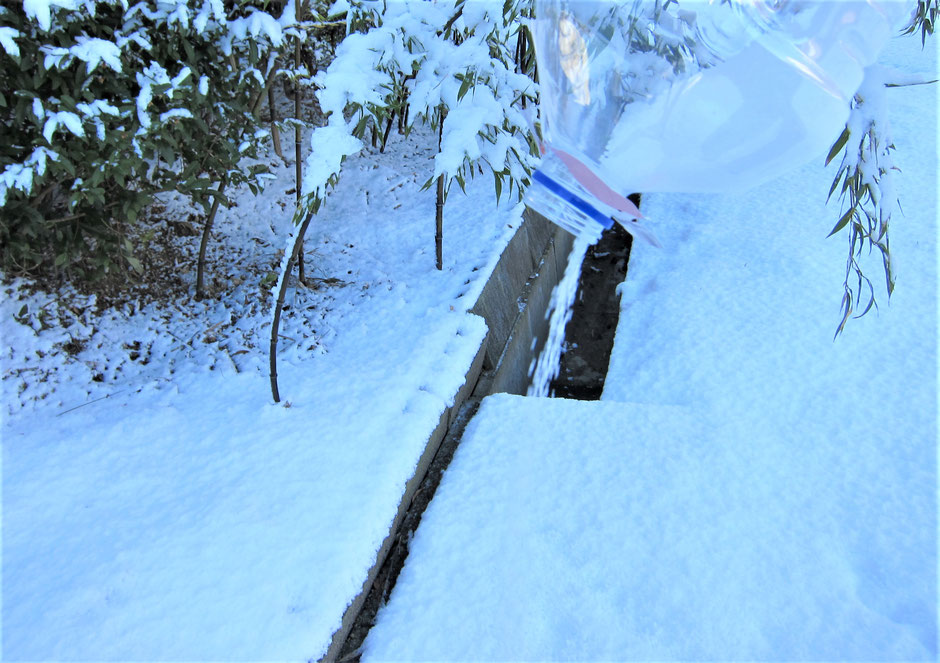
<point x="690" y="96"/>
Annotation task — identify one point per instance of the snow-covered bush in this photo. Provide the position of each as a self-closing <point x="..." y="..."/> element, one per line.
<point x="865" y="180"/>
<point x="104" y="103"/>
<point x="450" y="64"/>
<point x="865" y="176"/>
<point x="457" y="66"/>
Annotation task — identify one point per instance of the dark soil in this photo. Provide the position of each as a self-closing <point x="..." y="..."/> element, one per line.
<point x="589" y="336"/>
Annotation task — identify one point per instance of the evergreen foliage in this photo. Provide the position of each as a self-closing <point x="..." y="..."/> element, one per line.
<point x="107" y="103"/>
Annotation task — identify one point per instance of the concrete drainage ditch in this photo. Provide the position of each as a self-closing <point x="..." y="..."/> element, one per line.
<point x="513" y="303"/>
<point x="589" y="336"/>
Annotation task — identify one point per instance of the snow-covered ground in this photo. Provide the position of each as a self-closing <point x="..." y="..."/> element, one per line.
<point x="747" y="489"/>
<point x="157" y="505"/>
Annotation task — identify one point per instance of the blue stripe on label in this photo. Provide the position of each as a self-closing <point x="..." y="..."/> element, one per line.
<point x="573" y="200"/>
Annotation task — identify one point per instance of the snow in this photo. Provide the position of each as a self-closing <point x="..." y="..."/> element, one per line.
<point x="559" y="312"/>
<point x="7" y="37"/>
<point x="568" y="530"/>
<point x="16" y="176"/>
<point x="39" y="111"/>
<point x="747" y="488"/>
<point x="329" y="146"/>
<point x="179" y="113"/>
<point x="93" y="51"/>
<point x="256" y="24"/>
<point x="158" y="506"/>
<point x="352" y="77"/>
<point x="71" y="121"/>
<point x="94" y="109"/>
<point x="41" y="10"/>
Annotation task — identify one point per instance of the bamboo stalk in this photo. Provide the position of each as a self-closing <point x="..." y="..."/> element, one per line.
<point x="388" y="127"/>
<point x="517" y="56"/>
<point x="298" y="167"/>
<point x="403" y="115"/>
<point x="279" y="305"/>
<point x="439" y="225"/>
<point x="275" y="132"/>
<point x="213" y="211"/>
<point x="439" y="234"/>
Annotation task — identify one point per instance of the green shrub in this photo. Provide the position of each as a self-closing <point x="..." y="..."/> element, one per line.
<point x="105" y="104"/>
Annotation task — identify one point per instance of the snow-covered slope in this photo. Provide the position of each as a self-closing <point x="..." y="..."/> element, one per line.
<point x="169" y="510"/>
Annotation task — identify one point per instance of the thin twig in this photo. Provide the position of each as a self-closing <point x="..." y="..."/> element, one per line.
<point x="204" y="242"/>
<point x="90" y="402"/>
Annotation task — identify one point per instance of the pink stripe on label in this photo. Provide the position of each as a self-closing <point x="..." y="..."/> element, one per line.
<point x="596" y="185"/>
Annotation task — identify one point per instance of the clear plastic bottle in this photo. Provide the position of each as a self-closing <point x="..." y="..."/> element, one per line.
<point x="691" y="96"/>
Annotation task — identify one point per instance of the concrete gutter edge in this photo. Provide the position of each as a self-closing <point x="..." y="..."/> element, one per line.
<point x="411" y="487"/>
<point x="513" y="303"/>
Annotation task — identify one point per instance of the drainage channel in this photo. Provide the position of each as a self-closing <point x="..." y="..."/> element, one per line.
<point x="589" y="340"/>
<point x="589" y="335"/>
<point x="388" y="574"/>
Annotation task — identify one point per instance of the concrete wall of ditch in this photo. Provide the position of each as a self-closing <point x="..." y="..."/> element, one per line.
<point x="515" y="300"/>
<point x="513" y="303"/>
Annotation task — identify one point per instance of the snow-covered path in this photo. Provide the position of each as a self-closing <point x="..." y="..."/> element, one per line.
<point x="747" y="489"/>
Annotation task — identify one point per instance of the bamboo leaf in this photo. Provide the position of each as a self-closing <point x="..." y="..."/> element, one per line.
<point x="847" y="311"/>
<point x="835" y="183"/>
<point x="360" y="129"/>
<point x="871" y="302"/>
<point x="846" y="184"/>
<point x="464" y="86"/>
<point x="842" y="222"/>
<point x="838" y="145"/>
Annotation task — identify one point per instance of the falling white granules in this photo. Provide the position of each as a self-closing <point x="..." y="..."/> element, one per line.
<point x="559" y="313"/>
